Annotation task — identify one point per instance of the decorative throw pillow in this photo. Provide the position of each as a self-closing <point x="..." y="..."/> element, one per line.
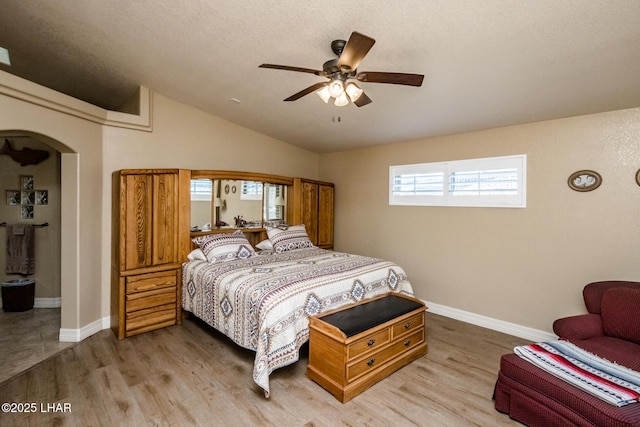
<point x="225" y="246"/>
<point x="621" y="313"/>
<point x="288" y="238"/>
<point x="265" y="245"/>
<point x="197" y="255"/>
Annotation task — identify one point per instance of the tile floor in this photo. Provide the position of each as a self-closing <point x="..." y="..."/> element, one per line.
<point x="27" y="338"/>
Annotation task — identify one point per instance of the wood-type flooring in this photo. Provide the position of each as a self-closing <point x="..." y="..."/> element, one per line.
<point x="191" y="375"/>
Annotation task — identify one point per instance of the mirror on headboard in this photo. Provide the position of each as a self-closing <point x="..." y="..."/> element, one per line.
<point x="238" y="201"/>
<point x="250" y="202"/>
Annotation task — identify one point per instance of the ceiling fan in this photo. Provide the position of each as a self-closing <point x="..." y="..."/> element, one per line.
<point x="341" y="70"/>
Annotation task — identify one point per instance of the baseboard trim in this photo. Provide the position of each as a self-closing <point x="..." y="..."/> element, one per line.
<point x="520" y="331"/>
<point x="77" y="335"/>
<point x="535" y="335"/>
<point x="45" y="302"/>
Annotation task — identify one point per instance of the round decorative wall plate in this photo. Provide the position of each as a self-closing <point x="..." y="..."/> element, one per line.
<point x="638" y="177"/>
<point x="584" y="180"/>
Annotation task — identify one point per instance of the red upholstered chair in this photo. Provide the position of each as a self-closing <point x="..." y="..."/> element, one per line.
<point x="610" y="329"/>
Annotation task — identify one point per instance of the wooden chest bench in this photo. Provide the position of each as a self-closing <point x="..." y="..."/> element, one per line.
<point x="352" y="348"/>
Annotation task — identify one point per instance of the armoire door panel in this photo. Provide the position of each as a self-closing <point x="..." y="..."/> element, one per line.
<point x="165" y="233"/>
<point x="325" y="215"/>
<point x="310" y="209"/>
<point x="138" y="217"/>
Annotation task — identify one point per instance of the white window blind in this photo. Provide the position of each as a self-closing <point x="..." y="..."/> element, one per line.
<point x="251" y="190"/>
<point x="488" y="182"/>
<point x="201" y="189"/>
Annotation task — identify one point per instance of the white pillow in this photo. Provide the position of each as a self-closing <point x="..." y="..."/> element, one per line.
<point x="196" y="255"/>
<point x="265" y="245"/>
<point x="222" y="247"/>
<point x="289" y="238"/>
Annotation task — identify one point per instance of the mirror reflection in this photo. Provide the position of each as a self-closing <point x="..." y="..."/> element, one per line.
<point x="201" y="202"/>
<point x="236" y="203"/>
<point x="274" y="203"/>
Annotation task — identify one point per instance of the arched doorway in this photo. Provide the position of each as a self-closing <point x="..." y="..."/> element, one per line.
<point x="58" y="241"/>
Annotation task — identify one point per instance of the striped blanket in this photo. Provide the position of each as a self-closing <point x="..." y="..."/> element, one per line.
<point x="263" y="302"/>
<point x="606" y="380"/>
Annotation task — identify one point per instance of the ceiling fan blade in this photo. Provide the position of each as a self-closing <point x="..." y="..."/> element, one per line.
<point x="362" y="100"/>
<point x="306" y="91"/>
<point x="288" y="68"/>
<point x="355" y="50"/>
<point x="392" y="78"/>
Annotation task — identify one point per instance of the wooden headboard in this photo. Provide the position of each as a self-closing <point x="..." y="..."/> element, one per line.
<point x="254" y="234"/>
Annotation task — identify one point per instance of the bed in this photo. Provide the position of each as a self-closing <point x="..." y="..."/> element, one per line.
<point x="262" y="299"/>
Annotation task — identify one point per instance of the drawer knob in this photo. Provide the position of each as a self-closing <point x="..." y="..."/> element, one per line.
<point x="371" y="361"/>
<point x="371" y="342"/>
<point x="407" y="343"/>
<point x="407" y="325"/>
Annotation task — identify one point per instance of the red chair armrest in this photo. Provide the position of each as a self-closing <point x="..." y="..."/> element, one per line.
<point x="580" y="327"/>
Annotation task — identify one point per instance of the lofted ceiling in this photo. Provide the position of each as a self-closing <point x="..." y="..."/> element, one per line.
<point x="486" y="63"/>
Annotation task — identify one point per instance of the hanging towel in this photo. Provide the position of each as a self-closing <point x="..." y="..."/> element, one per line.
<point x="20" y="249"/>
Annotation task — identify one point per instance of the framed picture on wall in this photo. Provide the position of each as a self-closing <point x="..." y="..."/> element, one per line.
<point x="584" y="180"/>
<point x="13" y="197"/>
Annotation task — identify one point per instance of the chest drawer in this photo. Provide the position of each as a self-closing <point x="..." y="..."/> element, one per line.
<point x="405" y="326"/>
<point x="369" y="343"/>
<point x="154" y="298"/>
<point x="150" y="282"/>
<point x="352" y="348"/>
<point x="373" y="360"/>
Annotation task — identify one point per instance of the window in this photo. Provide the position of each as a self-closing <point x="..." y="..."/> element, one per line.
<point x="201" y="189"/>
<point x="251" y="190"/>
<point x="273" y="201"/>
<point x="488" y="182"/>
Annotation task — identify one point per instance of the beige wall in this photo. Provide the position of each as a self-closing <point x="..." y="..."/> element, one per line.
<point x="46" y="175"/>
<point x="525" y="266"/>
<point x="182" y="137"/>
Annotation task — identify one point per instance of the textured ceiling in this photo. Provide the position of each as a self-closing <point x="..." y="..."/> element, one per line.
<point x="486" y="63"/>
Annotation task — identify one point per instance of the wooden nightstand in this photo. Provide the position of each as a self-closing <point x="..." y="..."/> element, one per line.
<point x="352" y="348"/>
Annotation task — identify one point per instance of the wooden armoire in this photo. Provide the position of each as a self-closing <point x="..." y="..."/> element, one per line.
<point x="312" y="205"/>
<point x="150" y="242"/>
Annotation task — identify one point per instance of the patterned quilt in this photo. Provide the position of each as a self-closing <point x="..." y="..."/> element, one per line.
<point x="263" y="303"/>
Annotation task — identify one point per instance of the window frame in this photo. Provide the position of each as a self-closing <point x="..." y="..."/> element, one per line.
<point x="448" y="168"/>
<point x="251" y="190"/>
<point x="204" y="196"/>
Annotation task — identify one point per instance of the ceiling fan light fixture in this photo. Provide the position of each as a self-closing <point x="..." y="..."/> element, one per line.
<point x="354" y="91"/>
<point x="336" y="87"/>
<point x="341" y="100"/>
<point x="324" y="94"/>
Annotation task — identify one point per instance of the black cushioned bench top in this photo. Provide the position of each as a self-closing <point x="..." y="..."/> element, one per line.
<point x="365" y="316"/>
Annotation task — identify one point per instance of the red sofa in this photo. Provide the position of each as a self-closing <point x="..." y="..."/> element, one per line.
<point x="610" y="329"/>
